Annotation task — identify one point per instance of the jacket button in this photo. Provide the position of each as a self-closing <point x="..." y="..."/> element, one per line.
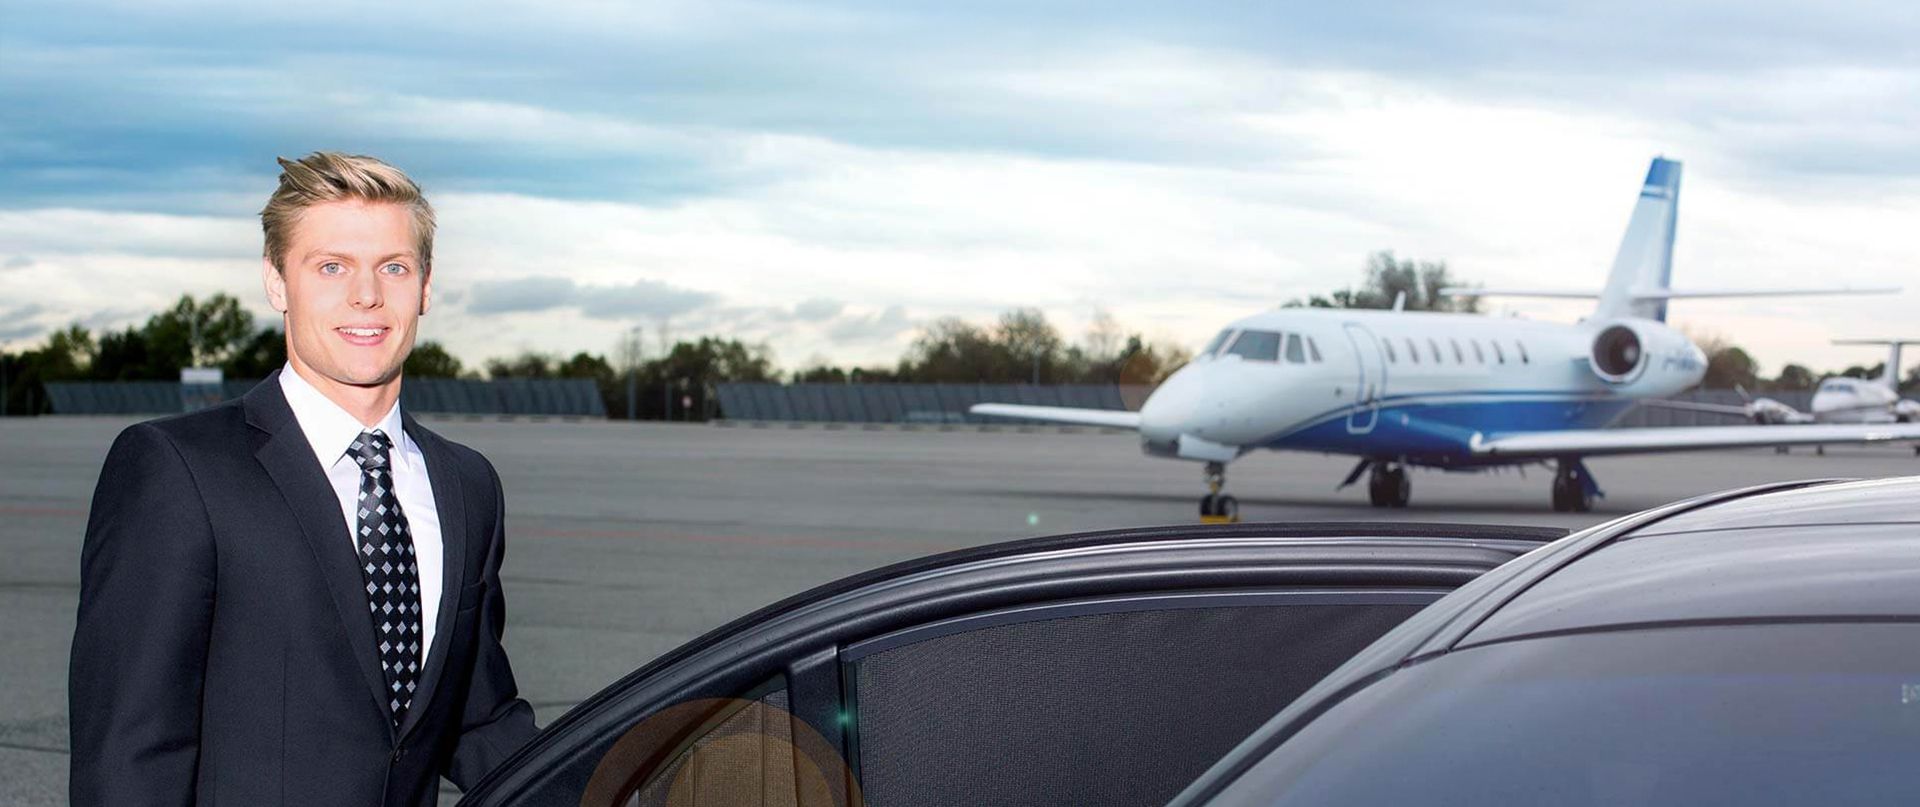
<point x="399" y="752"/>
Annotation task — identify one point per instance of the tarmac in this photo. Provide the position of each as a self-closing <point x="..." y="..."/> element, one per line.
<point x="628" y="539"/>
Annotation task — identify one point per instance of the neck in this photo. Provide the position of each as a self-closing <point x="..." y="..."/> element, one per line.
<point x="367" y="404"/>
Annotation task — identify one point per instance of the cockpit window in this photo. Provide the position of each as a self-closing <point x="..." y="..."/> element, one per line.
<point x="1219" y="339"/>
<point x="1257" y="346"/>
<point x="1836" y="385"/>
<point x="1313" y="348"/>
<point x="1413" y="351"/>
<point x="1388" y="344"/>
<point x="1296" y="354"/>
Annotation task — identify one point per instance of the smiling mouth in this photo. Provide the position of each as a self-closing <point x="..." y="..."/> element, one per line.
<point x="363" y="335"/>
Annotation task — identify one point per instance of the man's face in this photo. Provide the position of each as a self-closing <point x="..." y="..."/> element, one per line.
<point x="353" y="290"/>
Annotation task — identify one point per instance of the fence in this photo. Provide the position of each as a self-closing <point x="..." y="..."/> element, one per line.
<point x="513" y="396"/>
<point x="1657" y="416"/>
<point x="901" y="403"/>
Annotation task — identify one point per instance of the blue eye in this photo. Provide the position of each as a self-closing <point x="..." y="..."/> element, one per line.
<point x="331" y="268"/>
<point x="394" y="269"/>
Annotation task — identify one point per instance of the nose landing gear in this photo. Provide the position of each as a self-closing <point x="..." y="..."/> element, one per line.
<point x="1217" y="507"/>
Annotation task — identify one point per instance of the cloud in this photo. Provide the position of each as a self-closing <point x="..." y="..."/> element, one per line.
<point x="642" y="299"/>
<point x="17" y="262"/>
<point x="817" y="309"/>
<point x="522" y="294"/>
<point x="886" y="324"/>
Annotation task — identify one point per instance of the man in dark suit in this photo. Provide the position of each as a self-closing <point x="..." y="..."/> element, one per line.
<point x="294" y="598"/>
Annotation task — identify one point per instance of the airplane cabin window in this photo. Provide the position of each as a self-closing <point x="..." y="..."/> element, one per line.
<point x="1313" y="348"/>
<point x="1499" y="356"/>
<point x="1257" y="346"/>
<point x="1388" y="344"/>
<point x="1413" y="351"/>
<point x="1295" y="353"/>
<point x="1478" y="357"/>
<point x="1435" y="347"/>
<point x="1459" y="356"/>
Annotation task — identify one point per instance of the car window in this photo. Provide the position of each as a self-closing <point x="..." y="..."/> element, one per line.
<point x="1742" y="714"/>
<point x="1296" y="353"/>
<point x="1257" y="345"/>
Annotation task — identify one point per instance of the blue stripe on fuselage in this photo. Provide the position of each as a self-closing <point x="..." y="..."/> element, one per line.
<point x="1439" y="431"/>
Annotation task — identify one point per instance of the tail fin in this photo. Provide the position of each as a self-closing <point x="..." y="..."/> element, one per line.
<point x="1645" y="260"/>
<point x="1890" y="376"/>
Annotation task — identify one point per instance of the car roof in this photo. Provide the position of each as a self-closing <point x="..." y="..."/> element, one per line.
<point x="1791" y="551"/>
<point x="1823" y="552"/>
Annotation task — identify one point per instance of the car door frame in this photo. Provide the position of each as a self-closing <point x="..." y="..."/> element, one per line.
<point x="806" y="638"/>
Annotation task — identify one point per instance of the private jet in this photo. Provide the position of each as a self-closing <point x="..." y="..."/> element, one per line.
<point x="1459" y="392"/>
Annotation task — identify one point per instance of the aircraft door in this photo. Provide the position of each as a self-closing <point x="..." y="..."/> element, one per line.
<point x="1372" y="381"/>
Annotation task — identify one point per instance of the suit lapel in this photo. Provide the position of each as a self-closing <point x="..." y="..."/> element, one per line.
<point x="449" y="500"/>
<point x="289" y="461"/>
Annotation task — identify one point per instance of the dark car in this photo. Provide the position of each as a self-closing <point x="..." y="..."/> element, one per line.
<point x="1758" y="646"/>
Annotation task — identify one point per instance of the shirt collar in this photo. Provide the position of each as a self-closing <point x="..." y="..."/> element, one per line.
<point x="329" y="429"/>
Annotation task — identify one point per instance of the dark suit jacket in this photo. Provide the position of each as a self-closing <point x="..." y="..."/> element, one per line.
<point x="224" y="654"/>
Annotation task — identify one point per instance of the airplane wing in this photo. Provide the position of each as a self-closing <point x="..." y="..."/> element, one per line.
<point x="1598" y="442"/>
<point x="1110" y="418"/>
<point x="1697" y="406"/>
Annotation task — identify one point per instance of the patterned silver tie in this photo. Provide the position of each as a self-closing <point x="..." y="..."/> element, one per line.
<point x="391" y="570"/>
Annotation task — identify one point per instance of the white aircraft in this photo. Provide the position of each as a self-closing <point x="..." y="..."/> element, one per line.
<point x="1453" y="391"/>
<point x="1836" y="400"/>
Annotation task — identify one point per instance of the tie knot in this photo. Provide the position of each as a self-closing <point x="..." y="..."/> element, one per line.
<point x="370" y="450"/>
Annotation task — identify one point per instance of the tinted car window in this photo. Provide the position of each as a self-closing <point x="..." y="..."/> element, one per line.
<point x="1749" y="714"/>
<point x="1257" y="345"/>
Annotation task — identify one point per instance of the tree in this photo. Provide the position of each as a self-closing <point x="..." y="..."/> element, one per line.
<point x="1729" y="367"/>
<point x="264" y="353"/>
<point x="1795" y="378"/>
<point x="526" y="365"/>
<point x="430" y="360"/>
<point x="1387" y="277"/>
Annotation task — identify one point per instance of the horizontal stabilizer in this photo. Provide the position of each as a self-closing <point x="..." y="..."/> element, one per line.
<point x="1708" y="294"/>
<point x="1596" y="442"/>
<point x="1664" y="294"/>
<point x="1110" y="418"/>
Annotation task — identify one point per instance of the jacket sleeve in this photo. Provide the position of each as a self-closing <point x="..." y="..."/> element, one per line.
<point x="495" y="721"/>
<point x="147" y="572"/>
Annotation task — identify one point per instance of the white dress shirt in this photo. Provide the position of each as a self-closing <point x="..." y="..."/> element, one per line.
<point x="330" y="430"/>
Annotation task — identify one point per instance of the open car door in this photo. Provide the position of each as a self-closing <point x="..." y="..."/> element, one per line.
<point x="1103" y="668"/>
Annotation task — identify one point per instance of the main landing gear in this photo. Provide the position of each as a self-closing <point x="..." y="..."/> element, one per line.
<point x="1573" y="488"/>
<point x="1217" y="507"/>
<point x="1387" y="485"/>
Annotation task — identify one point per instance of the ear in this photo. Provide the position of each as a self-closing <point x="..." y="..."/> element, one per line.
<point x="276" y="284"/>
<point x="426" y="293"/>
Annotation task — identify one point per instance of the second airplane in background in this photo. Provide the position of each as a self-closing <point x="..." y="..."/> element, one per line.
<point x="1453" y="391"/>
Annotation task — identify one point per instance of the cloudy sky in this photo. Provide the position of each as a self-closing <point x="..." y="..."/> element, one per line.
<point x="826" y="176"/>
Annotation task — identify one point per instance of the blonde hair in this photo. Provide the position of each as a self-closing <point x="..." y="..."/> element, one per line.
<point x="329" y="176"/>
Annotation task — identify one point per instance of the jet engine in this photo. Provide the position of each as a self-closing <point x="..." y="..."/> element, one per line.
<point x="1623" y="352"/>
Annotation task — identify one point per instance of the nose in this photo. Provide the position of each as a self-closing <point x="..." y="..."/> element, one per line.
<point x="366" y="290"/>
<point x="1172" y="407"/>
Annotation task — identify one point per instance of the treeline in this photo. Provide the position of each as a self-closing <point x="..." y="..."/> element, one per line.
<point x="217" y="332"/>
